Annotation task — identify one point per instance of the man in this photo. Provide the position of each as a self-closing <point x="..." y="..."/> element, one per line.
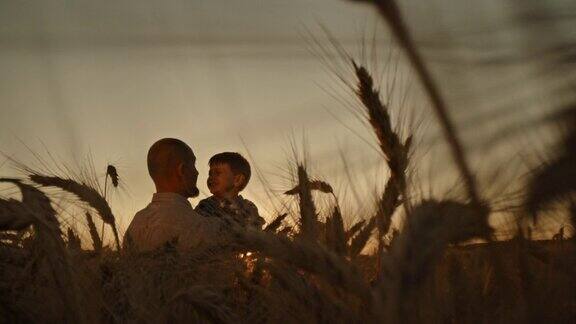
<point x="169" y="218"/>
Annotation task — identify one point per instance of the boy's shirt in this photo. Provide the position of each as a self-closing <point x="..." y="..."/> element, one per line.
<point x="241" y="211"/>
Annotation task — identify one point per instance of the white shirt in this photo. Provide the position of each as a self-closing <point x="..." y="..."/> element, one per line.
<point x="170" y="218"/>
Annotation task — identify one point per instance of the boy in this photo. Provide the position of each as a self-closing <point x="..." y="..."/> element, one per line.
<point x="229" y="174"/>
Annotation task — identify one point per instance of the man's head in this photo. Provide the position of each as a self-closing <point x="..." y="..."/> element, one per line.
<point x="171" y="164"/>
<point x="229" y="174"/>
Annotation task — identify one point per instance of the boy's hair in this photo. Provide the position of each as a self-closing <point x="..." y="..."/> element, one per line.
<point x="238" y="164"/>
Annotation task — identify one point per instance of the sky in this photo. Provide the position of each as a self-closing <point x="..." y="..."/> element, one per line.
<point x="108" y="78"/>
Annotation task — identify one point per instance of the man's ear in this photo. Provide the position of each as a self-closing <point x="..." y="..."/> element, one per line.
<point x="180" y="169"/>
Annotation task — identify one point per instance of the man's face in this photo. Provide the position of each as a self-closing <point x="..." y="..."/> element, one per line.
<point x="190" y="176"/>
<point x="220" y="180"/>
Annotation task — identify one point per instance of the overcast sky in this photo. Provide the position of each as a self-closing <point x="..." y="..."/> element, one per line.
<point x="108" y="78"/>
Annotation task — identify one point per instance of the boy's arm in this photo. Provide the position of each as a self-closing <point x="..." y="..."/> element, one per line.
<point x="208" y="207"/>
<point x="255" y="219"/>
<point x="205" y="208"/>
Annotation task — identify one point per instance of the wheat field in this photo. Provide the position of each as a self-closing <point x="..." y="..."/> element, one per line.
<point x="442" y="265"/>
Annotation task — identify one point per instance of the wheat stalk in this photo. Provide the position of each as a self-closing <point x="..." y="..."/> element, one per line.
<point x="431" y="227"/>
<point x="308" y="256"/>
<point x="395" y="151"/>
<point x="308" y="216"/>
<point x="335" y="236"/>
<point x="354" y="229"/>
<point x="207" y="300"/>
<point x="36" y="208"/>
<point x="393" y="17"/>
<point x="74" y="242"/>
<point x="275" y="224"/>
<point x="359" y="241"/>
<point x="14" y="216"/>
<point x="35" y="199"/>
<point x="85" y="193"/>
<point x="96" y="241"/>
<point x="313" y="185"/>
<point x="386" y="208"/>
<point x="112" y="172"/>
<point x="555" y="179"/>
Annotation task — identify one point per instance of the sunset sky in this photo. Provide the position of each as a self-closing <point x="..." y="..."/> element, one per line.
<point x="108" y="78"/>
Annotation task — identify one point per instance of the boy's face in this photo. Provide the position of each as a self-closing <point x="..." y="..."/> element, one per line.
<point x="222" y="182"/>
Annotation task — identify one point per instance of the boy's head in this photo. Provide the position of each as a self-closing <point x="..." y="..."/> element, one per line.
<point x="229" y="174"/>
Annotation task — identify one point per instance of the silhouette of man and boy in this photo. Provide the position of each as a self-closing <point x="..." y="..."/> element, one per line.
<point x="170" y="218"/>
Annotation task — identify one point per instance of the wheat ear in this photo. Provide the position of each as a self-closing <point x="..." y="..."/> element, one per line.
<point x="85" y="193"/>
